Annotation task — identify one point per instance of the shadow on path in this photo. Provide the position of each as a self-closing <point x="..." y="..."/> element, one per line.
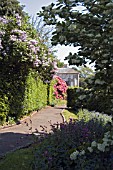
<point x="10" y="141"/>
<point x="19" y="136"/>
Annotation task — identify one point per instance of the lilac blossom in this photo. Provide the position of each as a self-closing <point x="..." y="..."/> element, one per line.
<point x="3" y="20"/>
<point x="18" y="17"/>
<point x="2" y="33"/>
<point x="1" y="47"/>
<point x="19" y="23"/>
<point x="34" y="42"/>
<point x="13" y="38"/>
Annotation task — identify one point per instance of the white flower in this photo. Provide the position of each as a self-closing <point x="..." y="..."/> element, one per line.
<point x="74" y="155"/>
<point x="90" y="149"/>
<point x="82" y="153"/>
<point x="101" y="147"/>
<point x="107" y="134"/>
<point x="93" y="144"/>
<point x="105" y="143"/>
<point x="105" y="139"/>
<point x="82" y="97"/>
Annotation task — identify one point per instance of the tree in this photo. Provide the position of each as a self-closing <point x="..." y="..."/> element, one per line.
<point x="92" y="30"/>
<point x="43" y="31"/>
<point x="10" y="8"/>
<point x="85" y="74"/>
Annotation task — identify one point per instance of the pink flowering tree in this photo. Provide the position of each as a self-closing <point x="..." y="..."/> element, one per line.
<point x="60" y="88"/>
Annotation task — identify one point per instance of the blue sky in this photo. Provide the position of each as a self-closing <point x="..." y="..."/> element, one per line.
<point x="34" y="6"/>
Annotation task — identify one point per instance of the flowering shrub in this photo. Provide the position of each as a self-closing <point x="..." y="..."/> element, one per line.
<point x="22" y="52"/>
<point x="54" y="152"/>
<point x="88" y="115"/>
<point x="60" y="88"/>
<point x="98" y="155"/>
<point x="19" y="43"/>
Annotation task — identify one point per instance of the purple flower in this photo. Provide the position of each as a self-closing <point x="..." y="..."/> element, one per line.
<point x="18" y="17"/>
<point x="19" y="23"/>
<point x="34" y="42"/>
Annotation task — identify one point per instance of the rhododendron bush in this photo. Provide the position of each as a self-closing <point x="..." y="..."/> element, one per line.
<point x="60" y="88"/>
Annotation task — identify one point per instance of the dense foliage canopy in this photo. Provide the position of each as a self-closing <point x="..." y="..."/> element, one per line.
<point x="88" y="25"/>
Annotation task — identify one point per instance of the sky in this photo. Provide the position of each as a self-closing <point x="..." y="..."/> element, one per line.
<point x="34" y="6"/>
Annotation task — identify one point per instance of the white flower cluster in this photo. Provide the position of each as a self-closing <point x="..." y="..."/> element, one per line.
<point x="107" y="141"/>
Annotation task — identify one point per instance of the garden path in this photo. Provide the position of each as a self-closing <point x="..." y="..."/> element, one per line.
<point x="19" y="136"/>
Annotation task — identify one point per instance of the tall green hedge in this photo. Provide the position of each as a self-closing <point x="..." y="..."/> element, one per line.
<point x="35" y="93"/>
<point x="51" y="96"/>
<point x="22" y="96"/>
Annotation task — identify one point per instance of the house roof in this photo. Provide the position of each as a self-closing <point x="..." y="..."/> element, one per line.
<point x="67" y="70"/>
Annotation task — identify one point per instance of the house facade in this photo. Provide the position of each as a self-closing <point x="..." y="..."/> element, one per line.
<point x="69" y="75"/>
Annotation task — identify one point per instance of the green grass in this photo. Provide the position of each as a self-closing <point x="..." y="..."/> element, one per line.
<point x="69" y="114"/>
<point x="19" y="160"/>
<point x="61" y="102"/>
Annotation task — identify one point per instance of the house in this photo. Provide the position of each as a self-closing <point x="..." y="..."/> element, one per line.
<point x="69" y="75"/>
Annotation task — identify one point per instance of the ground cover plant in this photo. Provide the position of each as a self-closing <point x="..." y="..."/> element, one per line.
<point x="56" y="150"/>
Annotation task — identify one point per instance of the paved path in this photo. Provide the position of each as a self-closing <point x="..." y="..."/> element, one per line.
<point x="19" y="136"/>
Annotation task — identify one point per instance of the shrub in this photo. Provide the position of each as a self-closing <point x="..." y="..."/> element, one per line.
<point x="60" y="88"/>
<point x="84" y="98"/>
<point x="4" y="109"/>
<point x="35" y="96"/>
<point x="51" y="96"/>
<point x="88" y="115"/>
<point x="54" y="152"/>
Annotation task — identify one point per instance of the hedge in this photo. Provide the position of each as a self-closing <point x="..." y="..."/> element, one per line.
<point x="93" y="101"/>
<point x="51" y="95"/>
<point x="22" y="96"/>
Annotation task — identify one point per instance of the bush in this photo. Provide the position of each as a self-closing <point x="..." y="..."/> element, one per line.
<point x="51" y="95"/>
<point x="54" y="152"/>
<point x="88" y="115"/>
<point x="84" y="98"/>
<point x="4" y="109"/>
<point x="60" y="88"/>
<point x="35" y="93"/>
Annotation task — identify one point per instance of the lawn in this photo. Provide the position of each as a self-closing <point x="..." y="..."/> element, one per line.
<point x="69" y="114"/>
<point x="18" y="160"/>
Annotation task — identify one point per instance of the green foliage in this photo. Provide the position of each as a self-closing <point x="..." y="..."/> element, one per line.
<point x="72" y="97"/>
<point x="84" y="98"/>
<point x="4" y="108"/>
<point x="25" y="63"/>
<point x="90" y="28"/>
<point x="87" y="116"/>
<point x="35" y="93"/>
<point x="9" y="7"/>
<point x="20" y="159"/>
<point x="51" y="95"/>
<point x="69" y="114"/>
<point x="54" y="152"/>
<point x="85" y="74"/>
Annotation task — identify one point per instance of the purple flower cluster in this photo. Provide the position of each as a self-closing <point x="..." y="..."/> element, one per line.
<point x="31" y="48"/>
<point x="1" y="47"/>
<point x="18" y="35"/>
<point x="19" y="23"/>
<point x="4" y="20"/>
